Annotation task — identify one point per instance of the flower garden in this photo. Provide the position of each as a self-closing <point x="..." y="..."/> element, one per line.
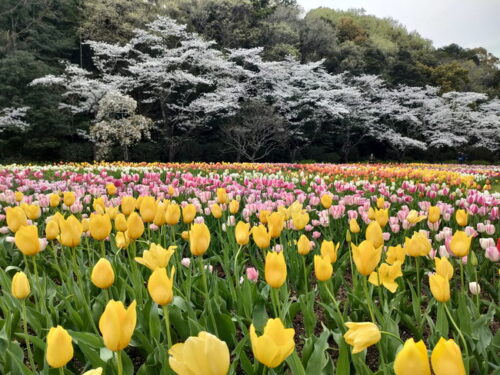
<point x="214" y="269"/>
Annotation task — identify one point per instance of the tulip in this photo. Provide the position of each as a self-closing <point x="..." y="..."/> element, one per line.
<point x="135" y="226"/>
<point x="412" y="359"/>
<point x="128" y="205"/>
<point x="111" y="189"/>
<point x="413" y="217"/>
<point x="59" y="347"/>
<point x="121" y="223"/>
<point x="261" y="236"/>
<point x="395" y="254"/>
<point x="112" y="212"/>
<point x="69" y="198"/>
<point x="99" y="226"/>
<point x="185" y="235"/>
<point x="16" y="218"/>
<point x="329" y="249"/>
<point x="252" y="274"/>
<point x="173" y="214"/>
<point x="222" y="196"/>
<point x="326" y="200"/>
<point x="204" y="354"/>
<point x="122" y="240"/>
<point x="51" y="230"/>
<point x="18" y="196"/>
<point x="474" y="288"/>
<point x="27" y="240"/>
<point x="97" y="371"/>
<point x="216" y="210"/>
<point x="156" y="256"/>
<point x="434" y="214"/>
<point x="386" y="276"/>
<point x="374" y="234"/>
<point x="275" y="344"/>
<point x="300" y="220"/>
<point x="382" y="217"/>
<point x="33" y="211"/>
<point x="417" y="245"/>
<point x="147" y="209"/>
<point x="440" y="287"/>
<point x="380" y="203"/>
<point x="323" y="268"/>
<point x="99" y="205"/>
<point x="117" y="325"/>
<point x="71" y="232"/>
<point x="354" y="226"/>
<point x="54" y="200"/>
<point x="160" y="286"/>
<point x="234" y="207"/>
<point x="444" y="267"/>
<point x="461" y="217"/>
<point x="20" y="287"/>
<point x="303" y="245"/>
<point x="366" y="257"/>
<point x="446" y="358"/>
<point x="263" y="214"/>
<point x="199" y="239"/>
<point x="275" y="269"/>
<point x="361" y="335"/>
<point x="460" y="243"/>
<point x="102" y="275"/>
<point x="188" y="213"/>
<point x="160" y="215"/>
<point x="242" y="233"/>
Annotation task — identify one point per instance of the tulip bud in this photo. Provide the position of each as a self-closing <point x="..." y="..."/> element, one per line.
<point x="474" y="288"/>
<point x="160" y="286"/>
<point x="303" y="245"/>
<point x="135" y="226"/>
<point x="188" y="213"/>
<point x="103" y="275"/>
<point x="27" y="240"/>
<point x="446" y="358"/>
<point x="97" y="371"/>
<point x="20" y="288"/>
<point x="59" y="347"/>
<point x="412" y="359"/>
<point x="199" y="239"/>
<point x="99" y="226"/>
<point x="117" y="325"/>
<point x="275" y="344"/>
<point x="242" y="233"/>
<point x="252" y="274"/>
<point x="275" y="269"/>
<point x="172" y="214"/>
<point x="323" y="267"/>
<point x="51" y="230"/>
<point x="440" y="287"/>
<point x="361" y="335"/>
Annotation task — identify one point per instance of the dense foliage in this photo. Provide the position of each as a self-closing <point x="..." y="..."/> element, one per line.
<point x="41" y="37"/>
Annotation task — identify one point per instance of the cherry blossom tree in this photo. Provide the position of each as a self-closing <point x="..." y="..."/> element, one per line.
<point x="13" y="118"/>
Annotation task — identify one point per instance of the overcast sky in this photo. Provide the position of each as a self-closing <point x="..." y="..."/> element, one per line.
<point x="469" y="23"/>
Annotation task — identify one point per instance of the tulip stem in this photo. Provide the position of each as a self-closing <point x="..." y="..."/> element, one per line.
<point x="353" y="279"/>
<point x="462" y="275"/>
<point x="368" y="300"/>
<point x="119" y="362"/>
<point x="167" y="325"/>
<point x="207" y="299"/>
<point x="235" y="269"/>
<point x="417" y="265"/>
<point x="264" y="370"/>
<point x="393" y="335"/>
<point x="276" y="302"/>
<point x="61" y="370"/>
<point x="26" y="337"/>
<point x="305" y="273"/>
<point x="461" y="337"/>
<point x="335" y="303"/>
<point x="103" y="249"/>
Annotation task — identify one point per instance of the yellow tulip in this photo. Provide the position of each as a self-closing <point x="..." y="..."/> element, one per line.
<point x="303" y="245"/>
<point x="366" y="257"/>
<point x="188" y="213"/>
<point x="135" y="226"/>
<point x="59" y="347"/>
<point x="361" y="335"/>
<point x="204" y="354"/>
<point x="354" y="226"/>
<point x="33" y="211"/>
<point x="173" y="214"/>
<point x="434" y="214"/>
<point x="222" y="197"/>
<point x="275" y="224"/>
<point x="117" y="325"/>
<point x="446" y="358"/>
<point x="234" y="207"/>
<point x="261" y="236"/>
<point x="102" y="275"/>
<point x="386" y="276"/>
<point x="85" y="224"/>
<point x="326" y="200"/>
<point x="111" y="189"/>
<point x="147" y="209"/>
<point x="242" y="233"/>
<point x="395" y="254"/>
<point x="382" y="217"/>
<point x="263" y="215"/>
<point x="98" y="205"/>
<point x="27" y="240"/>
<point x="199" y="239"/>
<point x="18" y="196"/>
<point x="16" y="218"/>
<point x="99" y="226"/>
<point x="461" y="217"/>
<point x="380" y="203"/>
<point x="122" y="240"/>
<point x="97" y="371"/>
<point x="160" y="286"/>
<point x="444" y="267"/>
<point x="171" y="190"/>
<point x="128" y="205"/>
<point x="275" y="344"/>
<point x="156" y="256"/>
<point x="460" y="243"/>
<point x="323" y="268"/>
<point x="71" y="232"/>
<point x="111" y="212"/>
<point x="417" y="245"/>
<point x="51" y="230"/>
<point x="185" y="235"/>
<point x="121" y="223"/>
<point x="414" y="218"/>
<point x="54" y="200"/>
<point x="20" y="287"/>
<point x="300" y="220"/>
<point x="373" y="234"/>
<point x="412" y="359"/>
<point x="440" y="287"/>
<point x="329" y="249"/>
<point x="69" y="198"/>
<point x="275" y="269"/>
<point x="371" y="213"/>
<point x="216" y="210"/>
<point x="160" y="215"/>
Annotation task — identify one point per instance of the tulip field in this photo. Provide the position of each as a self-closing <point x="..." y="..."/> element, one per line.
<point x="215" y="269"/>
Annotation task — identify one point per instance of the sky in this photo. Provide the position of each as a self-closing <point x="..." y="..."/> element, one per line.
<point x="469" y="23"/>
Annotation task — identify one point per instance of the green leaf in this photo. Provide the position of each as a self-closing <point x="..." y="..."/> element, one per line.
<point x="318" y="360"/>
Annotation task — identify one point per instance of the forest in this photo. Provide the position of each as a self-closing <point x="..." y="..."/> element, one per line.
<point x="251" y="80"/>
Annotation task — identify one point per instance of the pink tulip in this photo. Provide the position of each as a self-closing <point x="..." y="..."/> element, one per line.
<point x="252" y="274"/>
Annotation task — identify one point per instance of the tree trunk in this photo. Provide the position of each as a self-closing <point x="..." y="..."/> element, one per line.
<point x="125" y="152"/>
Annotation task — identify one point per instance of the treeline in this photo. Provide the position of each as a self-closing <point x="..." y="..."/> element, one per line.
<point x="36" y="35"/>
